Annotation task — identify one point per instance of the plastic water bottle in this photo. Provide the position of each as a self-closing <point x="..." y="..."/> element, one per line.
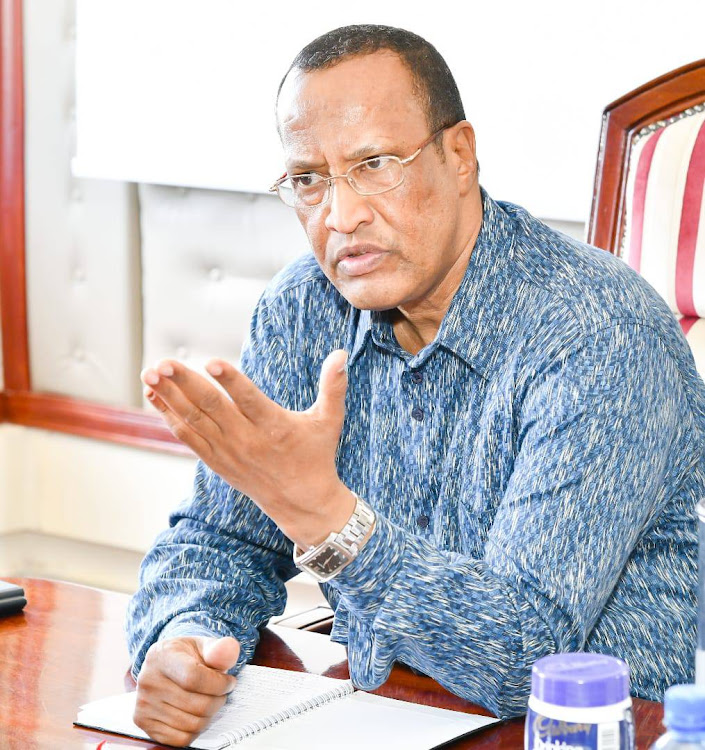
<point x="579" y="701"/>
<point x="684" y="717"/>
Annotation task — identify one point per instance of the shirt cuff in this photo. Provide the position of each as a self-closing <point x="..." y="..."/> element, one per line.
<point x="184" y="626"/>
<point x="366" y="581"/>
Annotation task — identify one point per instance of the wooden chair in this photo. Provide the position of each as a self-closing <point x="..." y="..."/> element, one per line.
<point x="648" y="201"/>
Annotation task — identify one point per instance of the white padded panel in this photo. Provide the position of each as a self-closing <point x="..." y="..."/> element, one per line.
<point x="82" y="236"/>
<point x="206" y="257"/>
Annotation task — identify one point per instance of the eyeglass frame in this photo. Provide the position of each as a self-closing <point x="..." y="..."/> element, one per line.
<point x="403" y="162"/>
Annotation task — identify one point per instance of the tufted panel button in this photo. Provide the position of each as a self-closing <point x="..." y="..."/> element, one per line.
<point x="183" y="192"/>
<point x="417" y="413"/>
<point x="77" y="195"/>
<point x="78" y="276"/>
<point x="215" y="274"/>
<point x="79" y="355"/>
<point x="181" y="352"/>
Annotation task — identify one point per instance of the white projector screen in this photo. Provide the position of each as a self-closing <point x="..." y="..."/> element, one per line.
<point x="181" y="92"/>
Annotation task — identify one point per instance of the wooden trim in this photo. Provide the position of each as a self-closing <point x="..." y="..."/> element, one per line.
<point x="657" y="100"/>
<point x="12" y="203"/>
<point x="63" y="414"/>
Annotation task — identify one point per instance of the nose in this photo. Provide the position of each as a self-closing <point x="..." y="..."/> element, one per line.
<point x="347" y="210"/>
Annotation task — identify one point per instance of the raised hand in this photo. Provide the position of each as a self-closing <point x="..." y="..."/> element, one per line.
<point x="283" y="460"/>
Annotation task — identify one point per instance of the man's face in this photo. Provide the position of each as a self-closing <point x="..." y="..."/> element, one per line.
<point x="380" y="251"/>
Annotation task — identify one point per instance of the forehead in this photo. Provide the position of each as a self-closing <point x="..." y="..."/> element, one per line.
<point x="361" y="97"/>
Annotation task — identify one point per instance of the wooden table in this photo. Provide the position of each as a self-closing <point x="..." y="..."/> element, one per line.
<point x="68" y="648"/>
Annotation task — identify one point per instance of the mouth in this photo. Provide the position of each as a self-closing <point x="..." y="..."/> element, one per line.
<point x="358" y="260"/>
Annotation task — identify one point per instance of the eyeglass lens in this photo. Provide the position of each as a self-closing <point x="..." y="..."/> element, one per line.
<point x="370" y="177"/>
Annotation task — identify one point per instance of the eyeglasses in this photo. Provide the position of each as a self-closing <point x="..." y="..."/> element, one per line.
<point x="369" y="177"/>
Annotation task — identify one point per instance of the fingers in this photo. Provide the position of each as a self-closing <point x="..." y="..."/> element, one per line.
<point x="332" y="385"/>
<point x="194" y="677"/>
<point x="220" y="653"/>
<point x="178" y="428"/>
<point x="248" y="398"/>
<point x="163" y="733"/>
<point x="186" y="394"/>
<point x="176" y="699"/>
<point x="173" y="726"/>
<point x="153" y="399"/>
<point x="178" y="709"/>
<point x="177" y="693"/>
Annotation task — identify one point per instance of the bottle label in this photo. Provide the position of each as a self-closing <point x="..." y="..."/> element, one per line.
<point x="544" y="733"/>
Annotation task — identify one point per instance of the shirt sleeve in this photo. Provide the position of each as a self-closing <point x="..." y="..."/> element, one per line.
<point x="221" y="566"/>
<point x="593" y="431"/>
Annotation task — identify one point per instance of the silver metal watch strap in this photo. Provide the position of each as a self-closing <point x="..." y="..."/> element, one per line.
<point x="350" y="537"/>
<point x="357" y="527"/>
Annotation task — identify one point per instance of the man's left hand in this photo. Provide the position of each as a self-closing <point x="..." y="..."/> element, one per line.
<point x="283" y="460"/>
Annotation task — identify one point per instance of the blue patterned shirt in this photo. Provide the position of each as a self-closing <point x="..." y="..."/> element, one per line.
<point x="534" y="469"/>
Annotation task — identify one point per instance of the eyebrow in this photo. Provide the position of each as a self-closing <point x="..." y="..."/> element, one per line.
<point x="365" y="152"/>
<point x="359" y="154"/>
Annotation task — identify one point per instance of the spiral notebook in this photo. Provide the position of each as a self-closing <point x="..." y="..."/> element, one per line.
<point x="275" y="709"/>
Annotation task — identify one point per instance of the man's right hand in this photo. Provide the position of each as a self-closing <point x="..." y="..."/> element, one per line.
<point x="182" y="684"/>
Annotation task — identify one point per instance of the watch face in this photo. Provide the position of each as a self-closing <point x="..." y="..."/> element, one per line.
<point x="329" y="560"/>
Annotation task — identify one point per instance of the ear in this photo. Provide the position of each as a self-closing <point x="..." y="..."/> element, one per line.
<point x="461" y="142"/>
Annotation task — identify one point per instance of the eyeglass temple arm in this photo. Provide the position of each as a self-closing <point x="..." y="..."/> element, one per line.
<point x="430" y="139"/>
<point x="273" y="189"/>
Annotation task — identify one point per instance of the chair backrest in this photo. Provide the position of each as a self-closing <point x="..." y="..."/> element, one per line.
<point x="648" y="200"/>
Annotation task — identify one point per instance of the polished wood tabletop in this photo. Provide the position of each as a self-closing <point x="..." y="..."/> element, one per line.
<point x="67" y="648"/>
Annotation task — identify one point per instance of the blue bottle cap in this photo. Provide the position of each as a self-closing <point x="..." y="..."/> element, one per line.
<point x="684" y="708"/>
<point x="580" y="680"/>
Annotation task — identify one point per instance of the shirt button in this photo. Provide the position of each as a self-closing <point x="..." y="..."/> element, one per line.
<point x="422" y="521"/>
<point x="417" y="413"/>
<point x="416" y="377"/>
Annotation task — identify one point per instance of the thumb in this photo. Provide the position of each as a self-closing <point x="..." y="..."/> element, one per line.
<point x="218" y="653"/>
<point x="332" y="385"/>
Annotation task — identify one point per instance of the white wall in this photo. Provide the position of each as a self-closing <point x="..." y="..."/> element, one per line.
<point x="201" y="77"/>
<point x="104" y="498"/>
<point x="86" y="511"/>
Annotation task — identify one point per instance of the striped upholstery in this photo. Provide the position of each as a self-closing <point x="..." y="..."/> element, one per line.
<point x="665" y="221"/>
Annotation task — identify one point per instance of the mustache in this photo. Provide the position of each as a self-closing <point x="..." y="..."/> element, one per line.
<point x="357" y="249"/>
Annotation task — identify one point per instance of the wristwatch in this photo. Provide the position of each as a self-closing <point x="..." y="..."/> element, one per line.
<point x="327" y="559"/>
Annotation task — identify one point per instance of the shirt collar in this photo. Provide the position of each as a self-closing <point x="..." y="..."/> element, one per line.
<point x="473" y="326"/>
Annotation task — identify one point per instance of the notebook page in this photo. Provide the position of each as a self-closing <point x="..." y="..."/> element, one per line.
<point x="368" y="721"/>
<point x="260" y="692"/>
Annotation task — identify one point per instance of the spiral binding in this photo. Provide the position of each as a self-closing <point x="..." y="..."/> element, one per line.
<point x="249" y="730"/>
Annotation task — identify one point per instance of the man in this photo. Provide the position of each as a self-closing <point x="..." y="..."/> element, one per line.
<point x="509" y="457"/>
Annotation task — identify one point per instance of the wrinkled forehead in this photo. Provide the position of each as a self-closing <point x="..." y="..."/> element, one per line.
<point x="302" y="103"/>
<point x="367" y="95"/>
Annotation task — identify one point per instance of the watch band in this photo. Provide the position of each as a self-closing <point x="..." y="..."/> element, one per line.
<point x="339" y="549"/>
